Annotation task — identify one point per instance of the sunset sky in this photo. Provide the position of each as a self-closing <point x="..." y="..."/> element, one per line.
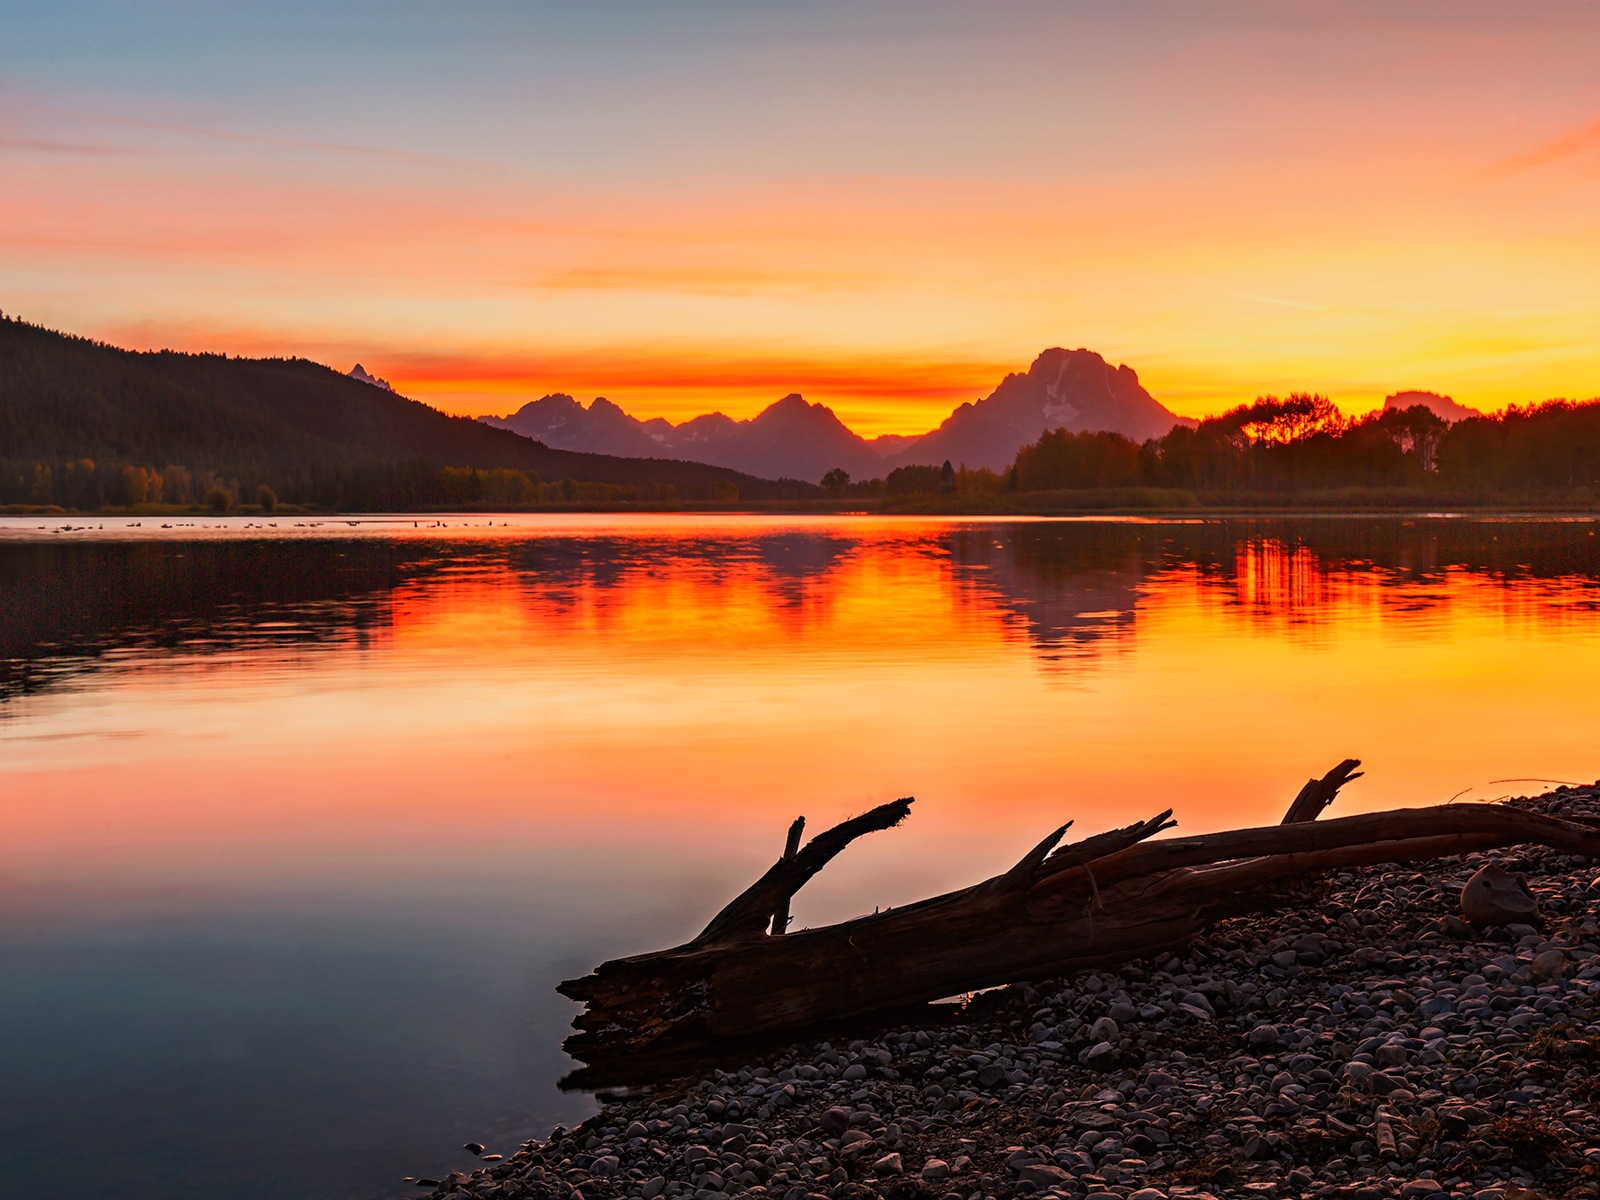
<point x="887" y="207"/>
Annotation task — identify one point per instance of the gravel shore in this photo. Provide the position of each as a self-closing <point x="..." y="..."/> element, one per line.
<point x="1361" y="1042"/>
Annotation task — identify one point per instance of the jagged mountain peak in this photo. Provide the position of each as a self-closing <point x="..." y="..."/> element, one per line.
<point x="792" y="438"/>
<point x="1062" y="389"/>
<point x="361" y="375"/>
<point x="793" y="410"/>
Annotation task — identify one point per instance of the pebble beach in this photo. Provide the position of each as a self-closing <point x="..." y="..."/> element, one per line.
<point x="1362" y="1041"/>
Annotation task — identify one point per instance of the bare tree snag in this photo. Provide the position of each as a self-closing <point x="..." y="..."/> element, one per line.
<point x="1110" y="898"/>
<point x="791" y="846"/>
<point x="1319" y="793"/>
<point x="751" y="911"/>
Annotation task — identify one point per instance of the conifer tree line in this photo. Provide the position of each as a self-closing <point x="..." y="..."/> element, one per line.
<point x="84" y="425"/>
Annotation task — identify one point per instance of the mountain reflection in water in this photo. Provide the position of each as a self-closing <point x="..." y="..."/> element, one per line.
<point x="1075" y="588"/>
<point x="300" y="826"/>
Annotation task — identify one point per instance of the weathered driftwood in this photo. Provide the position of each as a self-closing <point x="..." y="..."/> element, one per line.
<point x="1107" y="899"/>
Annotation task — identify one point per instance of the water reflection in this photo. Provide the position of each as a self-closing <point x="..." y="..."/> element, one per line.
<point x="1074" y="588"/>
<point x="76" y="607"/>
<point x="298" y="828"/>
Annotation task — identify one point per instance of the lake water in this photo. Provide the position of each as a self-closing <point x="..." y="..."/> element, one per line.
<point x="300" y="825"/>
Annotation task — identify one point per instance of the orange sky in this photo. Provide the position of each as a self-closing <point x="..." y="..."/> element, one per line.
<point x="689" y="207"/>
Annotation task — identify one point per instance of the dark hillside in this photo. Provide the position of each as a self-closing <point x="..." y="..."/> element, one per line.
<point x="73" y="407"/>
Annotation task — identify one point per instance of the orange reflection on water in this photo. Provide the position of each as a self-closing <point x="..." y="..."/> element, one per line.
<point x="676" y="697"/>
<point x="1282" y="584"/>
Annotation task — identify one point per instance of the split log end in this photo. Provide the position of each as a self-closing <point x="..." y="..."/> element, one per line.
<point x="582" y="989"/>
<point x="1319" y="793"/>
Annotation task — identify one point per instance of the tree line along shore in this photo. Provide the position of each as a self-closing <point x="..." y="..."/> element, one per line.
<point x="1272" y="455"/>
<point x="86" y="427"/>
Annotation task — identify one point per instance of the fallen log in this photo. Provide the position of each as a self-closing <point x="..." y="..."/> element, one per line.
<point x="1110" y="898"/>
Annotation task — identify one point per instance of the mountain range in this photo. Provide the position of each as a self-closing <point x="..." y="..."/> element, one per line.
<point x="1441" y="406"/>
<point x="1072" y="389"/>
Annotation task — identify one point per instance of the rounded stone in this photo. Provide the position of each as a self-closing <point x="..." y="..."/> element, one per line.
<point x="1493" y="896"/>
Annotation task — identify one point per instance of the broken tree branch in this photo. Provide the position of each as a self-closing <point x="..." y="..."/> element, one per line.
<point x="1106" y="899"/>
<point x="750" y="912"/>
<point x="1319" y="793"/>
<point x="791" y="846"/>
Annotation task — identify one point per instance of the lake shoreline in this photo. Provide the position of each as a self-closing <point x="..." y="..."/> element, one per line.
<point x="1088" y="502"/>
<point x="1361" y="1042"/>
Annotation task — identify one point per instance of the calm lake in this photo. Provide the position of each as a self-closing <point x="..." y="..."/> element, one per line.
<point x="300" y="824"/>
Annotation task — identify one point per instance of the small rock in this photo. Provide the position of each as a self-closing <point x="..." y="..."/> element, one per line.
<point x="1495" y="897"/>
<point x="1262" y="1037"/>
<point x="836" y="1120"/>
<point x="473" y="1148"/>
<point x="1101" y="1054"/>
<point x="1104" y="1030"/>
<point x="1043" y="1175"/>
<point x="1392" y="1056"/>
<point x="1551" y="964"/>
<point x="889" y="1164"/>
<point x="935" y="1168"/>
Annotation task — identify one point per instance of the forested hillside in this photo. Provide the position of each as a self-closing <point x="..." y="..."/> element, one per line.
<point x="83" y="424"/>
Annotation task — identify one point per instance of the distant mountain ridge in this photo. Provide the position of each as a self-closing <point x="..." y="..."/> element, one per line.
<point x="360" y="372"/>
<point x="1076" y="390"/>
<point x="1440" y="406"/>
<point x="790" y="439"/>
<point x="1071" y="389"/>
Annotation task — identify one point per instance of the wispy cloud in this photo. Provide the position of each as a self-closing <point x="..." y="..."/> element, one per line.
<point x="739" y="378"/>
<point x="713" y="281"/>
<point x="46" y="146"/>
<point x="679" y="368"/>
<point x="1277" y="302"/>
<point x="1565" y="146"/>
<point x="253" y="139"/>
